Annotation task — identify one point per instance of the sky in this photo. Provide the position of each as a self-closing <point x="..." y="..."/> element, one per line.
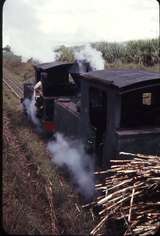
<point x="34" y="28"/>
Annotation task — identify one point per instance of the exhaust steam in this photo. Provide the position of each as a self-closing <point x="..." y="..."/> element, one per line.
<point x="91" y="55"/>
<point x="31" y="111"/>
<point x="66" y="152"/>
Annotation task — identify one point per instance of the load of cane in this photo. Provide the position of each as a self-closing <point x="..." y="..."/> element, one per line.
<point x="130" y="190"/>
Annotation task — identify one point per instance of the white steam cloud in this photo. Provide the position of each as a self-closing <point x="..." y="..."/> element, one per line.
<point x="91" y="55"/>
<point x="72" y="154"/>
<point x="31" y="111"/>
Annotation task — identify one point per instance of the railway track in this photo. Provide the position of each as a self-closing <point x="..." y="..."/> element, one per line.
<point x="14" y="86"/>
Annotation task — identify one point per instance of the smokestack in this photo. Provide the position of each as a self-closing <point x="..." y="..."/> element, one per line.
<point x="79" y="66"/>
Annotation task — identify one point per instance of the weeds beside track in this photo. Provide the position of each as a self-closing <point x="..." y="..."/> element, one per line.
<point x="29" y="177"/>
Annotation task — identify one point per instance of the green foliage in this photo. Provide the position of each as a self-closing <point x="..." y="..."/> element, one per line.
<point x="65" y="54"/>
<point x="142" y="52"/>
<point x="111" y="52"/>
<point x="145" y="52"/>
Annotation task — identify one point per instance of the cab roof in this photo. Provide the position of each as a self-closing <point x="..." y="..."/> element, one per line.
<point x="50" y="65"/>
<point x="122" y="78"/>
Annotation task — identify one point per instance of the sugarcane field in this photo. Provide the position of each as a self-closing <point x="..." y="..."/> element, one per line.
<point x="81" y="117"/>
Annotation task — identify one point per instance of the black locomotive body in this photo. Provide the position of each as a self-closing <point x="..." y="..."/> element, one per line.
<point x="110" y="111"/>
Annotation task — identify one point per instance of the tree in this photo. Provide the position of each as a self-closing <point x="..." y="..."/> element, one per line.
<point x="7" y="48"/>
<point x="65" y="54"/>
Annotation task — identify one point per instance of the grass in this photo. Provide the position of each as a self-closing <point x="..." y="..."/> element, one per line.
<point x="18" y="70"/>
<point x="65" y="197"/>
<point x="19" y="215"/>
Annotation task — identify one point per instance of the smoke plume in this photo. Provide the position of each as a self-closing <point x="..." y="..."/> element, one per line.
<point x="72" y="154"/>
<point x="91" y="55"/>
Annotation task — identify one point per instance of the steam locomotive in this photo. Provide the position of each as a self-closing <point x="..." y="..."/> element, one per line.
<point x="110" y="111"/>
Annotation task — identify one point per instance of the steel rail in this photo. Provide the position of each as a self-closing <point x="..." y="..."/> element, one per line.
<point x="15" y="85"/>
<point x="12" y="89"/>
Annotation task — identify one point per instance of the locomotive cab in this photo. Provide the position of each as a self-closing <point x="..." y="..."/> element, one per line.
<point x="120" y="112"/>
<point x="54" y="78"/>
<point x="55" y="83"/>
